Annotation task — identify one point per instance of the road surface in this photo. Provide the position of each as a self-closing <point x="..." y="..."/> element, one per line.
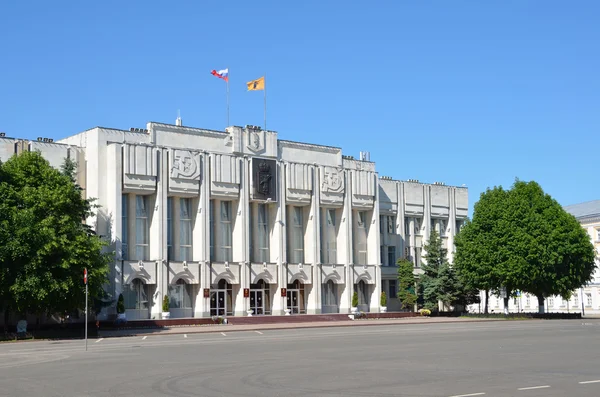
<point x="506" y="358"/>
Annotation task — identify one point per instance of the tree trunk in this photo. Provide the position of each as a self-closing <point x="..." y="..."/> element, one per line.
<point x="506" y="299"/>
<point x="541" y="301"/>
<point x="487" y="299"/>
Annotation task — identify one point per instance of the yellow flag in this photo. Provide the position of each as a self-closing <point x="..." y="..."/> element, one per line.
<point x="256" y="85"/>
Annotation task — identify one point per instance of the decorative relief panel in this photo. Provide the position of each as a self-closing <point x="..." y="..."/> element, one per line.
<point x="255" y="140"/>
<point x="225" y="175"/>
<point x="184" y="172"/>
<point x="363" y="189"/>
<point x="264" y="179"/>
<point x="299" y="181"/>
<point x="139" y="169"/>
<point x="333" y="186"/>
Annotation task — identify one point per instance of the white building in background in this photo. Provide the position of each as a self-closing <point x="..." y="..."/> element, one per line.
<point x="232" y="222"/>
<point x="586" y="299"/>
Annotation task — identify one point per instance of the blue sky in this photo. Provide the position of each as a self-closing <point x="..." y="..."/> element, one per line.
<point x="464" y="92"/>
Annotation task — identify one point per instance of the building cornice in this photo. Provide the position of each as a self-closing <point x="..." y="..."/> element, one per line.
<point x="309" y="146"/>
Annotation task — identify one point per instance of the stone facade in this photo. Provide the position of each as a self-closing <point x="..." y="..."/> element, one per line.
<point x="236" y="222"/>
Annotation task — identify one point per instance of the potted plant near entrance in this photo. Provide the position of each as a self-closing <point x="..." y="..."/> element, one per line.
<point x="383" y="302"/>
<point x="354" y="308"/>
<point x="121" y="317"/>
<point x="165" y="308"/>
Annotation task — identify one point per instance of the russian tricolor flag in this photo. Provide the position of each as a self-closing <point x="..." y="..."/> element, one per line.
<point x="222" y="74"/>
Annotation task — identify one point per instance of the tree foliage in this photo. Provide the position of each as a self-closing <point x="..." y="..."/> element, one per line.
<point x="441" y="281"/>
<point x="406" y="284"/>
<point x="522" y="239"/>
<point x="44" y="242"/>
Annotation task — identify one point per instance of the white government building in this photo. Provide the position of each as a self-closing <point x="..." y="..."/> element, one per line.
<point x="237" y="222"/>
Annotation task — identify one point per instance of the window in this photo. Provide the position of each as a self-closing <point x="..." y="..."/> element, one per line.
<point x="141" y="228"/>
<point x="527" y="300"/>
<point x="261" y="243"/>
<point x="588" y="297"/>
<point x="551" y="302"/>
<point x="407" y="227"/>
<point x="382" y="255"/>
<point x="170" y="228"/>
<point x="443" y="226"/>
<point x="362" y="290"/>
<point x="135" y="295"/>
<point x="360" y="238"/>
<point x="329" y="294"/>
<point x="417" y="225"/>
<point x="329" y="237"/>
<point x="226" y="252"/>
<point x="576" y="299"/>
<point x="185" y="229"/>
<point x="459" y="225"/>
<point x="392" y="289"/>
<point x="296" y="236"/>
<point x="391" y="255"/>
<point x="381" y="223"/>
<point x="124" y="227"/>
<point x="180" y="296"/>
<point x="417" y="256"/>
<point x="597" y="234"/>
<point x="391" y="224"/>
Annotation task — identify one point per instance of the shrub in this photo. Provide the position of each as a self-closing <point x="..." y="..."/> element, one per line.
<point x="121" y="304"/>
<point x="355" y="299"/>
<point x="165" y="307"/>
<point x="425" y="312"/>
<point x="383" y="300"/>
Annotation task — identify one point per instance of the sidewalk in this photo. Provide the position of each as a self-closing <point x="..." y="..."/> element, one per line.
<point x="259" y="327"/>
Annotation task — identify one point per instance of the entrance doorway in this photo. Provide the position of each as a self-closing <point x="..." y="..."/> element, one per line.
<point x="259" y="298"/>
<point x="221" y="299"/>
<point x="295" y="298"/>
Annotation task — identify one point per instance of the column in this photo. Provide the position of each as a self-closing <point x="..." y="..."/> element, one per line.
<point x="201" y="252"/>
<point x="313" y="299"/>
<point x="346" y="228"/>
<point x="242" y="226"/>
<point x="373" y="251"/>
<point x="279" y="237"/>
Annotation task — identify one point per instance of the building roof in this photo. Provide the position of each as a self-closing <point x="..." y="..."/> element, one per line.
<point x="584" y="210"/>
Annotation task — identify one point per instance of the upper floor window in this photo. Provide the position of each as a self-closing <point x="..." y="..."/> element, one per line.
<point x="260" y="234"/>
<point x="329" y="237"/>
<point x="170" y="228"/>
<point x="142" y="228"/>
<point x="124" y="227"/>
<point x="185" y="229"/>
<point x="296" y="235"/>
<point x="226" y="240"/>
<point x="360" y="238"/>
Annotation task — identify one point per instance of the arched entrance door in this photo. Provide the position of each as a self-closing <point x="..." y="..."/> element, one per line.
<point x="260" y="302"/>
<point x="329" y="298"/>
<point x="136" y="300"/>
<point x="362" y="289"/>
<point x="221" y="299"/>
<point x="295" y="298"/>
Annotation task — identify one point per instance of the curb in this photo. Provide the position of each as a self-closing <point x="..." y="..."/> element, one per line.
<point x="359" y="323"/>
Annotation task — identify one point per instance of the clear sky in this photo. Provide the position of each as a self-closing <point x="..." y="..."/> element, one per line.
<point x="463" y="92"/>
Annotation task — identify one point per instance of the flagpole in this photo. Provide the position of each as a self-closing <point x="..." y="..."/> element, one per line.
<point x="265" y="92"/>
<point x="227" y="99"/>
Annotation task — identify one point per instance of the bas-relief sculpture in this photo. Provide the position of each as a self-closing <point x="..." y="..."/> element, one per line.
<point x="184" y="165"/>
<point x="333" y="180"/>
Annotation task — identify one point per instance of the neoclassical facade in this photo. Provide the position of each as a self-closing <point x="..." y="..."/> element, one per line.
<point x="238" y="221"/>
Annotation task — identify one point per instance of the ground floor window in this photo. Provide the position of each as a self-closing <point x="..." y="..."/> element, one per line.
<point x="363" y="292"/>
<point x="180" y="295"/>
<point x="135" y="295"/>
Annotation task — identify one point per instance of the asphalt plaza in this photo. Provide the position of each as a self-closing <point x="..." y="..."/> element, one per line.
<point x="504" y="358"/>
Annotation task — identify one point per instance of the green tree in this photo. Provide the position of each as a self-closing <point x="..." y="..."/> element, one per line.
<point x="435" y="257"/>
<point x="478" y="244"/>
<point x="45" y="243"/>
<point x="406" y="284"/>
<point x="536" y="246"/>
